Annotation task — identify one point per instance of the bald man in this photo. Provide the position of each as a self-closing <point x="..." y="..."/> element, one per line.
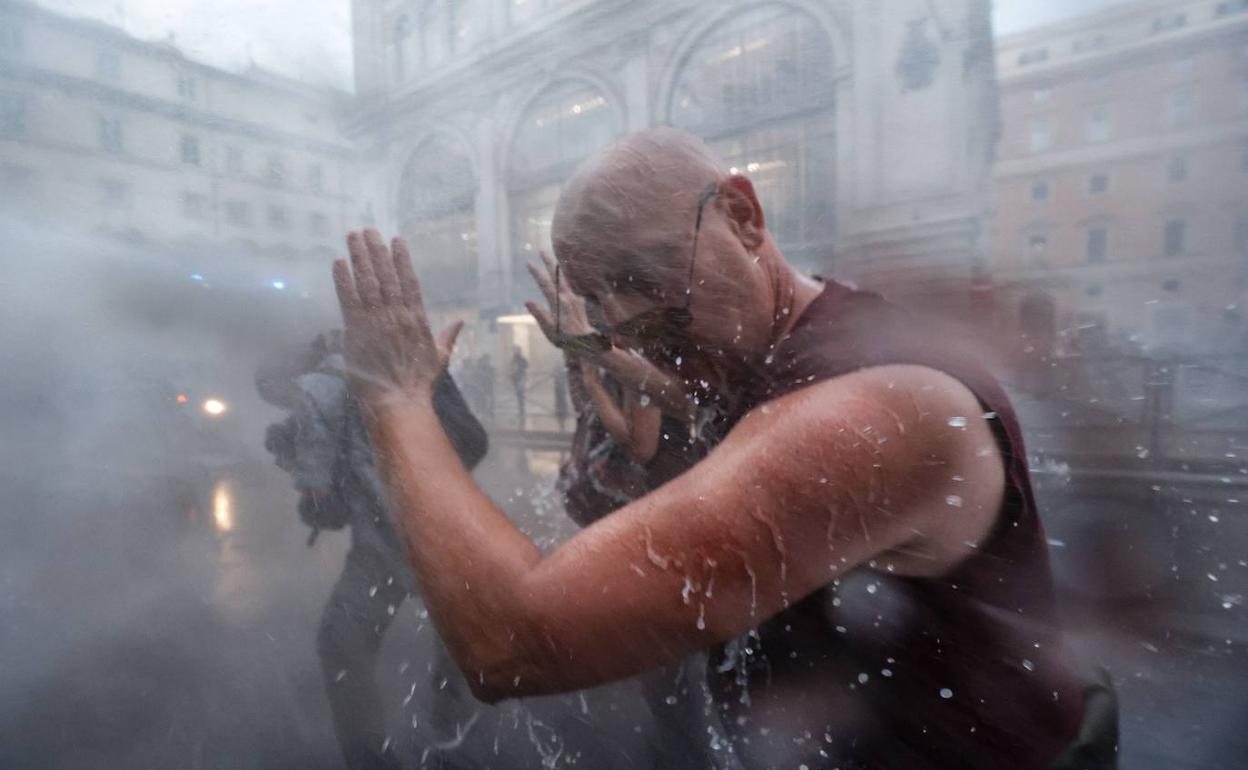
<point x="860" y="551"/>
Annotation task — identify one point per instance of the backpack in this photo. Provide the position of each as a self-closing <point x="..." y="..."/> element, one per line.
<point x="331" y="511"/>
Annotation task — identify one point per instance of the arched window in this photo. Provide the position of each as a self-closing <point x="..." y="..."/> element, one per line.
<point x="759" y="90"/>
<point x="563" y="126"/>
<point x="437" y="216"/>
<point x="435" y="29"/>
<point x="401" y="48"/>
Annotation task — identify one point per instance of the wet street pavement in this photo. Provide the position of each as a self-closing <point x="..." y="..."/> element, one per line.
<point x="168" y="621"/>
<point x="174" y="626"/>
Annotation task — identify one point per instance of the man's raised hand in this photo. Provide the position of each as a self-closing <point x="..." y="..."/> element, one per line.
<point x="389" y="347"/>
<point x="572" y="318"/>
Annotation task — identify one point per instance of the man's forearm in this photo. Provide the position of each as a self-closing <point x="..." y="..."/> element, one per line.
<point x="467" y="556"/>
<point x="638" y="374"/>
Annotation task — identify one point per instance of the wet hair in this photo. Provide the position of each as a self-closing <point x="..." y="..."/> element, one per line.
<point x="636" y="184"/>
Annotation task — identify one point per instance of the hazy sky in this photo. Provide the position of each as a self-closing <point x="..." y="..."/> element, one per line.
<point x="310" y="39"/>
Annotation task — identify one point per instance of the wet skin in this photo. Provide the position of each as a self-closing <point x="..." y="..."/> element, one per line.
<point x="805" y="488"/>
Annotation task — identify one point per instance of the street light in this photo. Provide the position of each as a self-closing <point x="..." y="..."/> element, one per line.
<point x="214" y="407"/>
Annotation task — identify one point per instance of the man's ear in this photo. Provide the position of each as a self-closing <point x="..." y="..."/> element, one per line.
<point x="744" y="209"/>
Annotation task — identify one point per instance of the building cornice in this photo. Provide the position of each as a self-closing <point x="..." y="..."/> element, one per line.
<point x="112" y="97"/>
<point x="1082" y="64"/>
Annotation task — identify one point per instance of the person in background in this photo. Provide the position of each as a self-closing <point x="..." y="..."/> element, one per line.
<point x="519" y="375"/>
<point x="335" y="473"/>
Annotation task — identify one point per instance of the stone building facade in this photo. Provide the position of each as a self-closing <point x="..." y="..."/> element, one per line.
<point x="866" y="127"/>
<point x="1122" y="181"/>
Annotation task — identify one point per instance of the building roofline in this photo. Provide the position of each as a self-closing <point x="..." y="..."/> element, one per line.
<point x="1125" y="8"/>
<point x="253" y="75"/>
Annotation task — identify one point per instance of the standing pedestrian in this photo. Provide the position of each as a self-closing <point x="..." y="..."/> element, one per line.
<point x="519" y="382"/>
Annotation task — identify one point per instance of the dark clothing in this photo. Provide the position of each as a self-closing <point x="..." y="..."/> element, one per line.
<point x="599" y="476"/>
<point x="332" y="451"/>
<point x="878" y="670"/>
<point x="519" y="383"/>
<point x="359" y="612"/>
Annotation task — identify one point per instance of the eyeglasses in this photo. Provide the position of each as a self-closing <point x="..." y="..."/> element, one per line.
<point x="651" y="323"/>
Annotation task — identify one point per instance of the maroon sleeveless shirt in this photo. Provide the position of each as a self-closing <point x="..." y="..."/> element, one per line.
<point x="878" y="670"/>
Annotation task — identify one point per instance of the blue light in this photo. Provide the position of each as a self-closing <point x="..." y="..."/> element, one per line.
<point x="278" y="284"/>
<point x="197" y="276"/>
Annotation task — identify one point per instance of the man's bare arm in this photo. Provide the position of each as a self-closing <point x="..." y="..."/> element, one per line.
<point x="803" y="490"/>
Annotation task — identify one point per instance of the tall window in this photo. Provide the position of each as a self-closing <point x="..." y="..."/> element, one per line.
<point x="1098" y="244"/>
<point x="437" y="210"/>
<point x="190" y="150"/>
<point x="1098" y="184"/>
<point x="110" y="134"/>
<point x="1181" y="107"/>
<point x="1175" y="238"/>
<point x="1040" y="134"/>
<point x="1099" y="123"/>
<point x="316" y="177"/>
<point x="757" y="90"/>
<point x="1040" y="191"/>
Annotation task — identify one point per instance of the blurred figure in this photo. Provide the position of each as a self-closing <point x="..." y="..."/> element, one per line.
<point x="519" y="374"/>
<point x="485" y="370"/>
<point x="561" y="396"/>
<point x="332" y="464"/>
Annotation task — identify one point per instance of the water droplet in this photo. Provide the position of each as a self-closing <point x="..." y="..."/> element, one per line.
<point x="372" y="591"/>
<point x="957" y="422"/>
<point x="1027" y="664"/>
<point x="886" y="672"/>
<point x="670" y="700"/>
<point x="953" y="500"/>
<point x="862" y="678"/>
<point x="873" y="588"/>
<point x="946" y="693"/>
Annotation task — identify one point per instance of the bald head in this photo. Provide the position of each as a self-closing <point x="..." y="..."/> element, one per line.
<point x="617" y="216"/>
